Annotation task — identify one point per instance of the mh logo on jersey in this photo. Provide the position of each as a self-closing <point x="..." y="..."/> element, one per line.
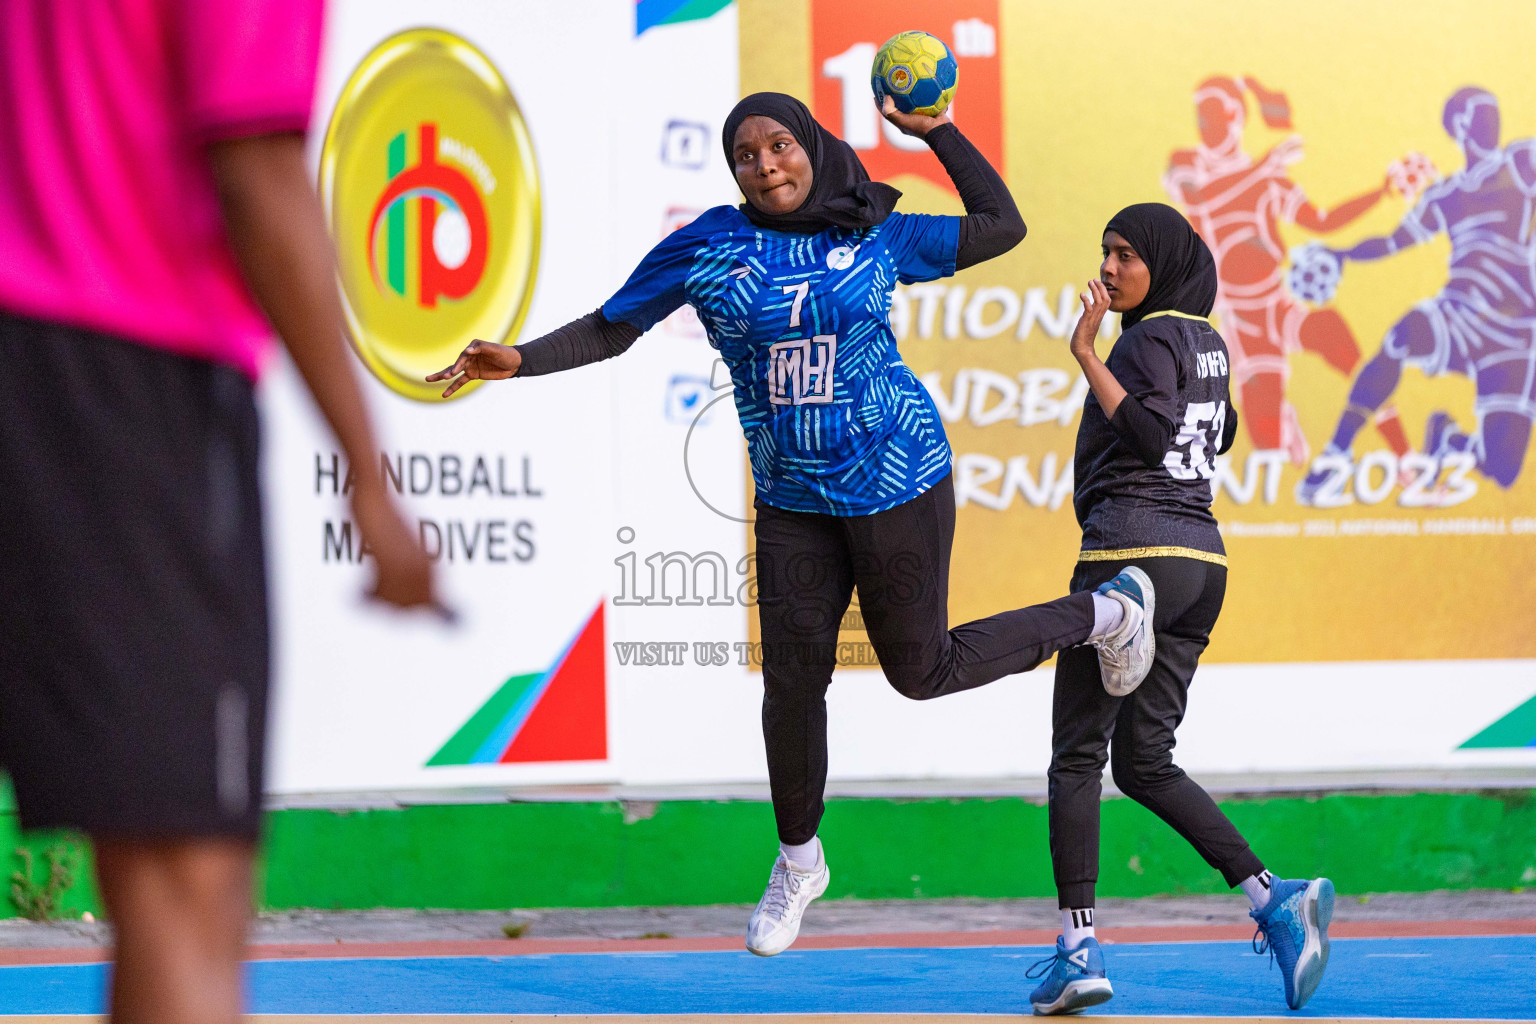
<point x="432" y="194"/>
<point x="800" y="371"/>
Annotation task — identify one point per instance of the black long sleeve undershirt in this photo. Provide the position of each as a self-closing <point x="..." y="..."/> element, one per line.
<point x="992" y="223"/>
<point x="1149" y="435"/>
<point x="991" y="226"/>
<point x="590" y="339"/>
<point x="1146" y="435"/>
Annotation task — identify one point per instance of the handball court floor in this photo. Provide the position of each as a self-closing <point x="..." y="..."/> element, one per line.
<point x="1432" y="957"/>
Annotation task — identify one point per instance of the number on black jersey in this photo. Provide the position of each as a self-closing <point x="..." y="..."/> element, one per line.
<point x="1193" y="453"/>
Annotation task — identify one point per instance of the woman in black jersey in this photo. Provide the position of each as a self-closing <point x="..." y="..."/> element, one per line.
<point x="848" y="454"/>
<point x="1158" y="415"/>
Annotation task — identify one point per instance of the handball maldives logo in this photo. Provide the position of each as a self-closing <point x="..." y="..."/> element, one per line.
<point x="432" y="194"/>
<point x="452" y="235"/>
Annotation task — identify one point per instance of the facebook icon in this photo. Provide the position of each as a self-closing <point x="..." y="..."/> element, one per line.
<point x="685" y="144"/>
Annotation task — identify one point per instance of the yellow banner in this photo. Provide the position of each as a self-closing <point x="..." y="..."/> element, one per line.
<point x="1365" y="174"/>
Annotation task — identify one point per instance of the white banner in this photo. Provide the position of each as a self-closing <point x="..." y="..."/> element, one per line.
<point x="590" y="526"/>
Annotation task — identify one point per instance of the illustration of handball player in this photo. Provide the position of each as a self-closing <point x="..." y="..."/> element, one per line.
<point x="1482" y="323"/>
<point x="1237" y="204"/>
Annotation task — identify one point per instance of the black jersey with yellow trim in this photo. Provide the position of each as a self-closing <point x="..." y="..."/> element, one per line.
<point x="1143" y="477"/>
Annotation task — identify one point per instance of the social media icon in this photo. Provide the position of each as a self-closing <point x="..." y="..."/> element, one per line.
<point x="685" y="144"/>
<point x="687" y="397"/>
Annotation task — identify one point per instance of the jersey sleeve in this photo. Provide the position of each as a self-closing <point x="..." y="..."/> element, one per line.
<point x="1149" y="372"/>
<point x="655" y="289"/>
<point x="1147" y="416"/>
<point x="923" y="246"/>
<point x="247" y="67"/>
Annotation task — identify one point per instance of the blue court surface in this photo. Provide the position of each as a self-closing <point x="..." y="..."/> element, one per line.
<point x="1450" y="978"/>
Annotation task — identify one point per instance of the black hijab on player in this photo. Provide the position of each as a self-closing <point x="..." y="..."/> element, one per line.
<point x="842" y="195"/>
<point x="1183" y="271"/>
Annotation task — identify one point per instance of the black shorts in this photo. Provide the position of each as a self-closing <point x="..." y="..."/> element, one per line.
<point x="133" y="611"/>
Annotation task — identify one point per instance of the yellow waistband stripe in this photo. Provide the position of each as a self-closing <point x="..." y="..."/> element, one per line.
<point x="1122" y="554"/>
<point x="1181" y="316"/>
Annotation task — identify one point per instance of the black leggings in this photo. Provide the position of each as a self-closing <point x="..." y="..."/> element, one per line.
<point x="1084" y="719"/>
<point x="807" y="567"/>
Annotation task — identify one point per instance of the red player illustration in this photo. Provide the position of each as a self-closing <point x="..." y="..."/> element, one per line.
<point x="1237" y="203"/>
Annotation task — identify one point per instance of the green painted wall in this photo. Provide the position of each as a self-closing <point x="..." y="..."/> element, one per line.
<point x="490" y="856"/>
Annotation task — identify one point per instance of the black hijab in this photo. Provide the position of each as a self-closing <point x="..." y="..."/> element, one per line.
<point x="1183" y="271"/>
<point x="841" y="196"/>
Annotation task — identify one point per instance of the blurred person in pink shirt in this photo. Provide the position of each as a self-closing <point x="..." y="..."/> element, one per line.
<point x="157" y="226"/>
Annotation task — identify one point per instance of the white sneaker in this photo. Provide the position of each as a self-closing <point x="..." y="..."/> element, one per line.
<point x="776" y="921"/>
<point x="1126" y="653"/>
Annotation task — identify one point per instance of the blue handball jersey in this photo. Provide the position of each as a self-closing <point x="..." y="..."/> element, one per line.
<point x="835" y="421"/>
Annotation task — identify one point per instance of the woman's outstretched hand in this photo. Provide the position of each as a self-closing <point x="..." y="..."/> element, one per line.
<point x="1095" y="304"/>
<point x="918" y="125"/>
<point x="480" y="360"/>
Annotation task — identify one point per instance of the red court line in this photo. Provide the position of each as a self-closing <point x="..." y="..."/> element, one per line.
<point x="1025" y="937"/>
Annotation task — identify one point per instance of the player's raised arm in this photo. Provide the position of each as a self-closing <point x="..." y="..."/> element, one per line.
<point x="992" y="223"/>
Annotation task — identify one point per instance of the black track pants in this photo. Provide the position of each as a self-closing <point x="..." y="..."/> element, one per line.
<point x="807" y="567"/>
<point x="1137" y="731"/>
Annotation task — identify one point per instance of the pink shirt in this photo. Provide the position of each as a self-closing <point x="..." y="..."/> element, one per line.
<point x="108" y="213"/>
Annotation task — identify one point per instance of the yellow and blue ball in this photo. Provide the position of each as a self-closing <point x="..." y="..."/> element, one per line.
<point x="917" y="71"/>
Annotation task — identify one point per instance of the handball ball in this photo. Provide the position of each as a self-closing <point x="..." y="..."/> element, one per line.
<point x="1315" y="273"/>
<point x="1411" y="175"/>
<point x="917" y="71"/>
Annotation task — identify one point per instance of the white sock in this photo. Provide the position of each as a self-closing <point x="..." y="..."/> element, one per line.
<point x="1076" y="925"/>
<point x="1108" y="614"/>
<point x="1256" y="888"/>
<point x="806" y="857"/>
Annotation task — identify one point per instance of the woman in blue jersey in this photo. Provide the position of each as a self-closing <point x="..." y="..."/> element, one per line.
<point x="1158" y="414"/>
<point x="848" y="454"/>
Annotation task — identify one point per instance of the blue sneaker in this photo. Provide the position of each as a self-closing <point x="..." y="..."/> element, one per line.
<point x="1293" y="929"/>
<point x="1125" y="654"/>
<point x="1075" y="980"/>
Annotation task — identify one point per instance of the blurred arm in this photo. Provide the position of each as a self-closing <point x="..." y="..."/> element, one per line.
<point x="277" y="230"/>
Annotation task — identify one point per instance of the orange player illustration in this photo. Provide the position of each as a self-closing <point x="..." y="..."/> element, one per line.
<point x="1237" y="203"/>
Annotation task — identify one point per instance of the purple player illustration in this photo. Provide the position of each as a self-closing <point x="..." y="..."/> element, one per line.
<point x="1482" y="323"/>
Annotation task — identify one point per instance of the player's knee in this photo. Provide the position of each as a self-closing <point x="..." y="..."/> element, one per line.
<point x="1072" y="763"/>
<point x="1138" y="775"/>
<point x="913" y="684"/>
<point x="790" y="667"/>
<point x="199" y="887"/>
<point x="1412" y="337"/>
<point x="1325" y="332"/>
